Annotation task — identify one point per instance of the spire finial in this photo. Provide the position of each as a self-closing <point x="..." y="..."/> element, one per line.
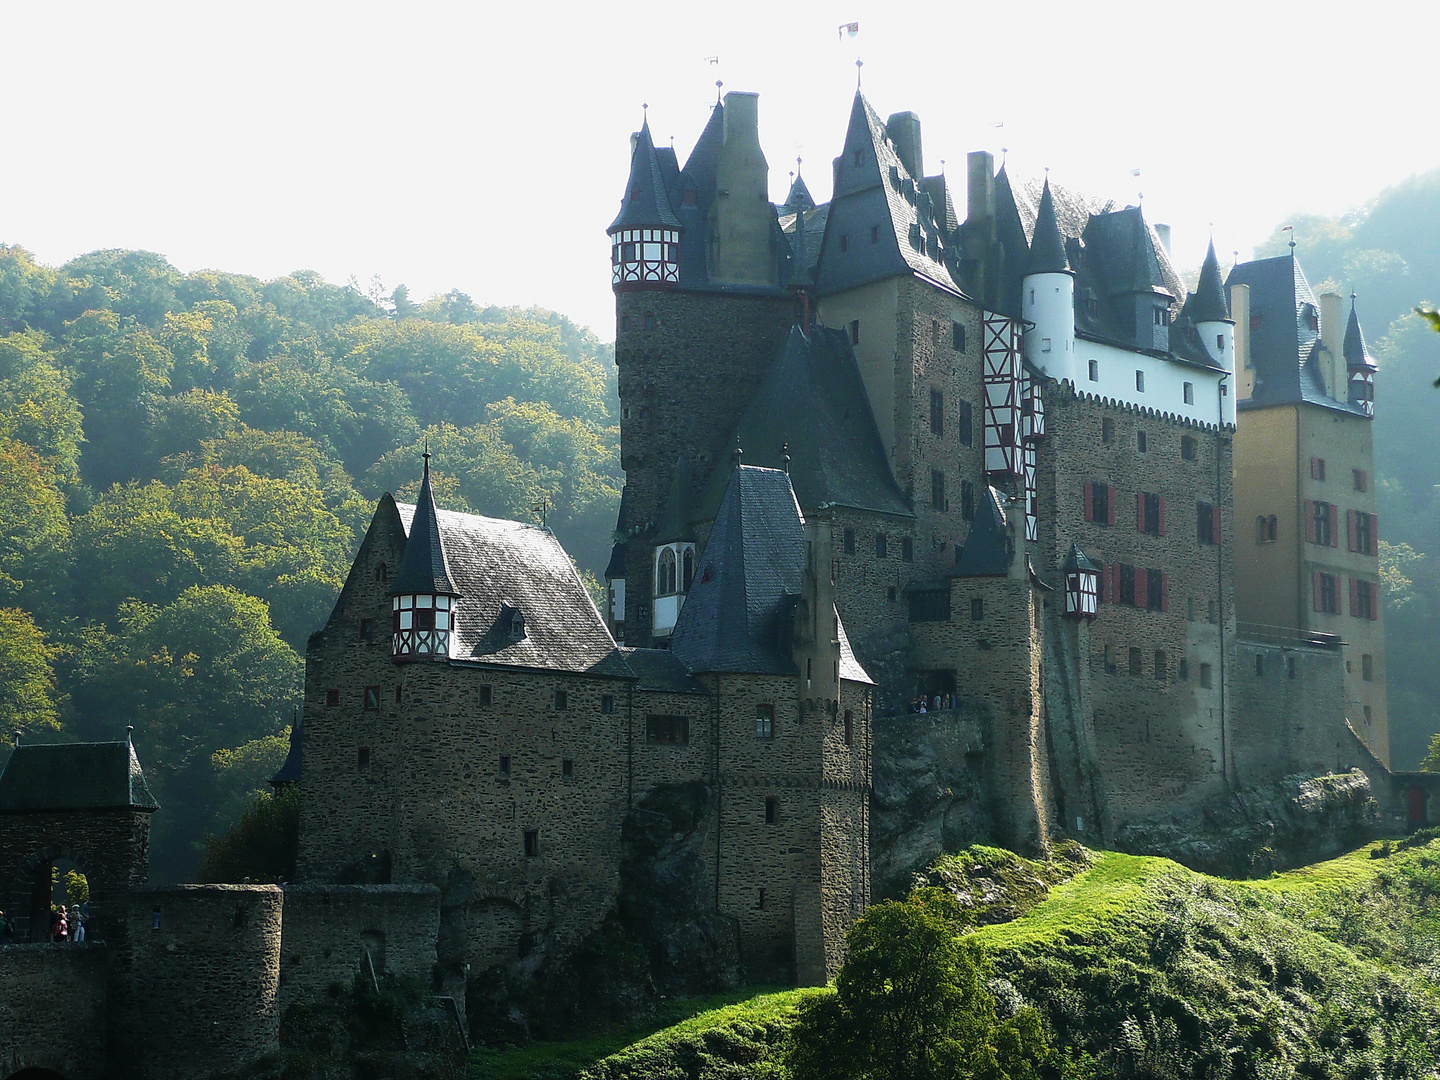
<point x="858" y="65"/>
<point x="798" y="161"/>
<point x="942" y="166"/>
<point x="785" y="457"/>
<point x="426" y="456"/>
<point x="17" y="733"/>
<point x="719" y="84"/>
<point x="739" y="454"/>
<point x="129" y="734"/>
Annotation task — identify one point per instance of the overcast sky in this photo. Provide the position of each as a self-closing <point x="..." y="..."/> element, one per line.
<point x="484" y="147"/>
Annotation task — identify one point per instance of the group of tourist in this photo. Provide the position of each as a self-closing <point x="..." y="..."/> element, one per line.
<point x="921" y="704"/>
<point x="64" y="925"/>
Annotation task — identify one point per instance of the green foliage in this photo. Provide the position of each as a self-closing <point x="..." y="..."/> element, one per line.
<point x="261" y="846"/>
<point x="77" y="887"/>
<point x="27" y="676"/>
<point x="911" y="1003"/>
<point x="34" y="532"/>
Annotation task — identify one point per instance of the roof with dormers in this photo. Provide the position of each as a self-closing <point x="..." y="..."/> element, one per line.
<point x="501" y="567"/>
<point x="74" y="776"/>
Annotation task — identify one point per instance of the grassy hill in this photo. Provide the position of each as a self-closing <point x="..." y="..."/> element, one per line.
<point x="1141" y="968"/>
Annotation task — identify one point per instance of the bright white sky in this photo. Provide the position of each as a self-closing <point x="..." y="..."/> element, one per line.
<point x="484" y="146"/>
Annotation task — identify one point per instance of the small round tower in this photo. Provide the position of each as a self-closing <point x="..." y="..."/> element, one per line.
<point x="1048" y="297"/>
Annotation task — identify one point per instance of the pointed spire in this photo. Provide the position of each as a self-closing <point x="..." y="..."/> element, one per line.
<point x="799" y="200"/>
<point x="1047" y="247"/>
<point x="1357" y="356"/>
<point x="1210" y="303"/>
<point x="424" y="569"/>
<point x="645" y="202"/>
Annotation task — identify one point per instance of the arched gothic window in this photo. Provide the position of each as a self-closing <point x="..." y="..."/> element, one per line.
<point x="689" y="570"/>
<point x="665" y="573"/>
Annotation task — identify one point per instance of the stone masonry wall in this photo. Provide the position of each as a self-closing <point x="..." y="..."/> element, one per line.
<point x="200" y="998"/>
<point x="329" y="928"/>
<point x="1289" y="702"/>
<point x="53" y="1009"/>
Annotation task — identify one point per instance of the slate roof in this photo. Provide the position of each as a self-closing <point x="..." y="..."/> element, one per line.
<point x="1047" y="246"/>
<point x="74" y="776"/>
<point x="850" y="666"/>
<point x="294" y="757"/>
<point x="675" y="523"/>
<point x="1357" y="356"/>
<point x="879" y="191"/>
<point x="735" y="618"/>
<point x="987" y="549"/>
<point x="799" y="199"/>
<point x="660" y="669"/>
<point x="1207" y="303"/>
<point x="423" y="567"/>
<point x="1284" y="345"/>
<point x="504" y="566"/>
<point x="645" y="201"/>
<point x="1077" y="560"/>
<point x="814" y="399"/>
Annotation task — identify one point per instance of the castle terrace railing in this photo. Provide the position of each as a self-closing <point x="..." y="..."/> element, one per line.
<point x="1287" y="636"/>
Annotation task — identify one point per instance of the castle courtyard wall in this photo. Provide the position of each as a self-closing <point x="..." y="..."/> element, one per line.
<point x="54" y="1009"/>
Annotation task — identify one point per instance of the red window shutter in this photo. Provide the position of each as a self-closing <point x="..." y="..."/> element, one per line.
<point x="1334" y="525"/>
<point x="1162" y="515"/>
<point x="1100" y="584"/>
<point x="1374" y="534"/>
<point x="1374" y="589"/>
<point x="1142" y="587"/>
<point x="1350" y="530"/>
<point x="1110" y="506"/>
<point x="1115" y="582"/>
<point x="1354" y="597"/>
<point x="1140" y="511"/>
<point x="1315" y="587"/>
<point x="1164" y="591"/>
<point x="1215" y="524"/>
<point x="1310" y="525"/>
<point x="1089" y="500"/>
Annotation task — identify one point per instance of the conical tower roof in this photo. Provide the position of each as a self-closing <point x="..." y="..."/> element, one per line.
<point x="423" y="568"/>
<point x="1047" y="247"/>
<point x="799" y="200"/>
<point x="645" y="203"/>
<point x="1209" y="301"/>
<point x="1357" y="356"/>
<point x="1077" y="560"/>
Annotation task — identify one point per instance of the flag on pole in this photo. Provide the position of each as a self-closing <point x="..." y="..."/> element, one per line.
<point x="849" y="30"/>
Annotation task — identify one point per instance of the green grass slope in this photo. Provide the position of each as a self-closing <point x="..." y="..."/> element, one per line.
<point x="1142" y="968"/>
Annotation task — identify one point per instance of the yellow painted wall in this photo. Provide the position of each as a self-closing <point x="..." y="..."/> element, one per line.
<point x="1266" y="574"/>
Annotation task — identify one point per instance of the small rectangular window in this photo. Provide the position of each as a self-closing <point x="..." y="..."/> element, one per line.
<point x="649" y="321"/>
<point x="967" y="500"/>
<point x="332" y="699"/>
<point x="1094" y="370"/>
<point x="1213" y="615"/>
<point x="1189" y="393"/>
<point x="977" y="609"/>
<point x="667" y="730"/>
<point x="399" y="694"/>
<point x="937" y="413"/>
<point x="937" y="490"/>
<point x="1205" y="676"/>
<point x="772" y="810"/>
<point x="844" y="242"/>
<point x="849" y="727"/>
<point x="930" y="605"/>
<point x="760" y="900"/>
<point x="890" y="594"/>
<point x="765" y="721"/>
<point x="1151" y="517"/>
<point x="1109" y="659"/>
<point x="957" y="336"/>
<point x="367" y="628"/>
<point x="1161" y="669"/>
<point x="504" y="764"/>
<point x="607" y="703"/>
<point x="362" y="758"/>
<point x="1188" y="447"/>
<point x="874" y="234"/>
<point x="881" y="545"/>
<point x="1107" y="431"/>
<point x="963" y="417"/>
<point x="1362" y="482"/>
<point x="854" y="331"/>
<point x="1140" y="441"/>
<point x="1127" y="584"/>
<point x="1137" y="661"/>
<point x="1290" y="667"/>
<point x="532" y="843"/>
<point x="1182" y="670"/>
<point x="849" y="541"/>
<point x="1140" y="381"/>
<point x="907" y="549"/>
<point x="562" y="700"/>
<point x="1205" y="524"/>
<point x="1317" y="468"/>
<point x="1367" y="715"/>
<point x="485" y="693"/>
<point x="372" y="698"/>
<point x="567" y="767"/>
<point x="1367" y="667"/>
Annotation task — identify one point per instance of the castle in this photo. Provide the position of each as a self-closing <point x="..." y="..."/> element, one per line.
<point x="876" y="453"/>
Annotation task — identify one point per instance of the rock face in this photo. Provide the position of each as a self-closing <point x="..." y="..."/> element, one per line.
<point x="929" y="797"/>
<point x="1297" y="820"/>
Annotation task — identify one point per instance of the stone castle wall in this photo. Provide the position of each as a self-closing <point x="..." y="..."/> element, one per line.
<point x="54" y="1009"/>
<point x="199" y="992"/>
<point x="1289" y="701"/>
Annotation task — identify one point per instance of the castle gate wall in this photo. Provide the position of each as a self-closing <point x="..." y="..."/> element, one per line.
<point x="1289" y="701"/>
<point x="328" y="929"/>
<point x="199" y="995"/>
<point x="53" y="1009"/>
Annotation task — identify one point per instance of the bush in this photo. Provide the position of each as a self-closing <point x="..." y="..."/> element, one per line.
<point x="262" y="845"/>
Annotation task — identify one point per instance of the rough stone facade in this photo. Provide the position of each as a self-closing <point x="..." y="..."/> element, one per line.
<point x="50" y="991"/>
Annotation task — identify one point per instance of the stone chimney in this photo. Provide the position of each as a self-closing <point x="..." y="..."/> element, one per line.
<point x="904" y="131"/>
<point x="1332" y="340"/>
<point x="742" y="240"/>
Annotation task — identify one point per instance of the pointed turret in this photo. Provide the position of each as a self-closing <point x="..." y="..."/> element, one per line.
<point x="1210" y="303"/>
<point x="1047" y="247"/>
<point x="645" y="235"/>
<point x="424" y="594"/>
<point x="799" y="200"/>
<point x="1358" y="364"/>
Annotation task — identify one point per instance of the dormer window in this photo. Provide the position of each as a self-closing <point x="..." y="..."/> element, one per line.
<point x="674" y="574"/>
<point x="517" y="627"/>
<point x="644" y="255"/>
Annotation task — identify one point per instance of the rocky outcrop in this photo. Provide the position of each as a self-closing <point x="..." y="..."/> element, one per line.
<point x="1297" y="820"/>
<point x="929" y="794"/>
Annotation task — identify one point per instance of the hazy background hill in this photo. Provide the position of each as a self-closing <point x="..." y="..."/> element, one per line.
<point x="188" y="462"/>
<point x="1388" y="253"/>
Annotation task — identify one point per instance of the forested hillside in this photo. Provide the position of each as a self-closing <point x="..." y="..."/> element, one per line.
<point x="1388" y="253"/>
<point x="188" y="462"/>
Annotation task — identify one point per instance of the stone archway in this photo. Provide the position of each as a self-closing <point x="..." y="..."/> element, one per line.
<point x="31" y="888"/>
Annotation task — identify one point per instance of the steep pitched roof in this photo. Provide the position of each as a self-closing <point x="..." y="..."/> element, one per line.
<point x="1076" y="559"/>
<point x="874" y="190"/>
<point x="736" y="615"/>
<point x="799" y="199"/>
<point x="813" y="398"/>
<point x="294" y="758"/>
<point x="1047" y="248"/>
<point x="1357" y="356"/>
<point x="74" y="776"/>
<point x="1284" y="338"/>
<point x="1208" y="302"/>
<point x="646" y="201"/>
<point x="503" y="567"/>
<point x="424" y="568"/>
<point x="987" y="549"/>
